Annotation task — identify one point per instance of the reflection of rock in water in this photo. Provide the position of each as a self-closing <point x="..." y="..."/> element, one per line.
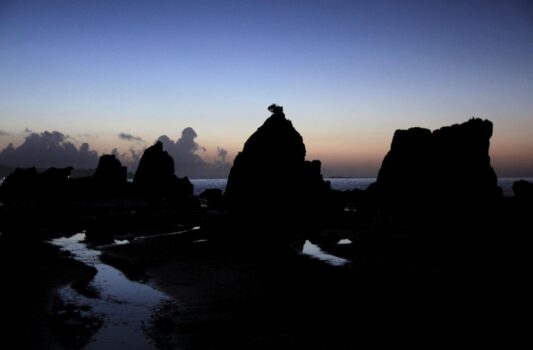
<point x="444" y="165"/>
<point x="271" y="171"/>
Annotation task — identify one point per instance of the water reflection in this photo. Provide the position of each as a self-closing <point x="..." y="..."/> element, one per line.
<point x="317" y="253"/>
<point x="124" y="304"/>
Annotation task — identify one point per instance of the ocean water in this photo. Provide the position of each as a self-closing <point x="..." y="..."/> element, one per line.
<point x="348" y="183"/>
<point x="341" y="184"/>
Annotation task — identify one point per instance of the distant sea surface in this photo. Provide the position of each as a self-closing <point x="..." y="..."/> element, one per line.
<point x="341" y="183"/>
<point x="347" y="183"/>
<point x="337" y="183"/>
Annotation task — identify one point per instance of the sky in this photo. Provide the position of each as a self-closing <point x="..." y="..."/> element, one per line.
<point x="92" y="77"/>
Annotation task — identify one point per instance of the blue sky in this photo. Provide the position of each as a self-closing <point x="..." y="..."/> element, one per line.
<point x="348" y="73"/>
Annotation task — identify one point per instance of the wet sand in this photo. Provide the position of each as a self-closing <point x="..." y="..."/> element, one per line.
<point x="253" y="294"/>
<point x="407" y="275"/>
<point x="234" y="296"/>
<point x="32" y="272"/>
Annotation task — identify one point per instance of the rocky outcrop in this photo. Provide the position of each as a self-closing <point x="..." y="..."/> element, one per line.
<point x="108" y="181"/>
<point x="271" y="171"/>
<point x="155" y="175"/>
<point x="523" y="190"/>
<point x="448" y="164"/>
<point x="110" y="172"/>
<point x="29" y="185"/>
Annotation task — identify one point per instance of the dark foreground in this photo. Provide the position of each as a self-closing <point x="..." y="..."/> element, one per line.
<point x="409" y="274"/>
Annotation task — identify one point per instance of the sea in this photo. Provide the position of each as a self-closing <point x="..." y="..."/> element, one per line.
<point x="337" y="183"/>
<point x="348" y="183"/>
<point x="341" y="183"/>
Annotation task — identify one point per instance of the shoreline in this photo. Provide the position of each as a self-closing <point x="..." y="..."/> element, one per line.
<point x="29" y="291"/>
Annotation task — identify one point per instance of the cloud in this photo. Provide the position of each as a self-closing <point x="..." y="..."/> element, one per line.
<point x="4" y="133"/>
<point x="221" y="155"/>
<point x="186" y="160"/>
<point x="48" y="149"/>
<point x="130" y="158"/>
<point x="129" y="137"/>
<point x="88" y="136"/>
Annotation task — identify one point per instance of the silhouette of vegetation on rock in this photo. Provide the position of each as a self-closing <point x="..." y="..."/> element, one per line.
<point x="271" y="171"/>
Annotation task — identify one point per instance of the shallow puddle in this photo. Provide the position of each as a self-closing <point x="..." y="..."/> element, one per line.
<point x="125" y="306"/>
<point x="314" y="251"/>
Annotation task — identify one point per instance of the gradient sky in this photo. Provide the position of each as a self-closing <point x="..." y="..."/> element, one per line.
<point x="348" y="73"/>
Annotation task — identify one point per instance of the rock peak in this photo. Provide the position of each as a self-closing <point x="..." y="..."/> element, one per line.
<point x="276" y="110"/>
<point x="271" y="171"/>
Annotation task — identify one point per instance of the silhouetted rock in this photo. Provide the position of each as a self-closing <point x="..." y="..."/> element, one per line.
<point x="20" y="184"/>
<point x="110" y="177"/>
<point x="155" y="175"/>
<point x="523" y="190"/>
<point x="407" y="168"/>
<point x="448" y="165"/>
<point x="212" y="198"/>
<point x="28" y="184"/>
<point x="110" y="171"/>
<point x="271" y="171"/>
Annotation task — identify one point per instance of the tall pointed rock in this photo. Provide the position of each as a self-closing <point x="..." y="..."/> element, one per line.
<point x="271" y="171"/>
<point x="155" y="175"/>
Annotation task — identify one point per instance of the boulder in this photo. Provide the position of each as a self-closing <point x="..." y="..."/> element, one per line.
<point x="523" y="190"/>
<point x="212" y="198"/>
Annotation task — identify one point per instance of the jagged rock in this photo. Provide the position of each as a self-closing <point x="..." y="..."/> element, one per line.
<point x="271" y="171"/>
<point x="110" y="172"/>
<point x="108" y="180"/>
<point x="28" y="184"/>
<point x="22" y="183"/>
<point x="448" y="164"/>
<point x="407" y="166"/>
<point x="523" y="190"/>
<point x="212" y="197"/>
<point x="155" y="175"/>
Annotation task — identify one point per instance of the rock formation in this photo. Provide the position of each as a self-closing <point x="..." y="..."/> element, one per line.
<point x="108" y="180"/>
<point x="271" y="171"/>
<point x="451" y="164"/>
<point x="523" y="190"/>
<point x="28" y="184"/>
<point x="155" y="175"/>
<point x="110" y="171"/>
